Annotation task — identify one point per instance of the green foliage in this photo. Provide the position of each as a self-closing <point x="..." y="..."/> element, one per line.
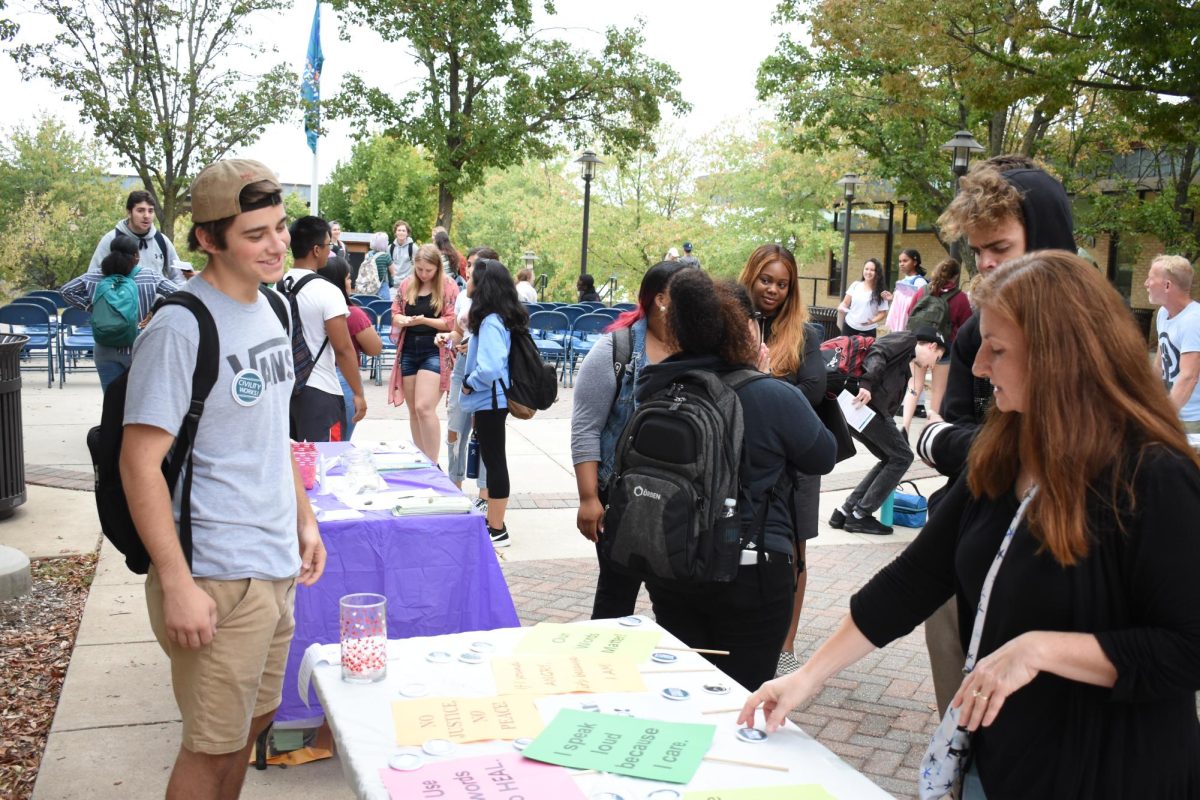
<point x="727" y="194"/>
<point x="498" y="92"/>
<point x="8" y="28"/>
<point x="162" y="83"/>
<point x="1072" y="84"/>
<point x="385" y="180"/>
<point x="55" y="204"/>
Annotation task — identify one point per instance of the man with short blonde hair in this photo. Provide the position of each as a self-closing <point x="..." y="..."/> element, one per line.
<point x="1169" y="284"/>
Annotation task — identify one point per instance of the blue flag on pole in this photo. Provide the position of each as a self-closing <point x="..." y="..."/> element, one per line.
<point x="310" y="85"/>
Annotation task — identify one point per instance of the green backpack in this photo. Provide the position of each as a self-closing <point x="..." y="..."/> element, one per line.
<point x="115" y="315"/>
<point x="933" y="311"/>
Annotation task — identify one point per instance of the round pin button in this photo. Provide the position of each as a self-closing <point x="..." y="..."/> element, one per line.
<point x="631" y="621"/>
<point x="522" y="743"/>
<point x="248" y="387"/>
<point x="482" y="647"/>
<point x="405" y="761"/>
<point x="675" y="694"/>
<point x="716" y="688"/>
<point x="414" y="690"/>
<point x="438" y="657"/>
<point x="664" y="794"/>
<point x="751" y="735"/>
<point x="664" y="658"/>
<point x="470" y="658"/>
<point x="438" y="747"/>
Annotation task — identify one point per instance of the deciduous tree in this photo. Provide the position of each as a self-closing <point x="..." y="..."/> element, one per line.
<point x="497" y="91"/>
<point x="163" y="82"/>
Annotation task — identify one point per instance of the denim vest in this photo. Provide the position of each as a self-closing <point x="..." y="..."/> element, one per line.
<point x="622" y="409"/>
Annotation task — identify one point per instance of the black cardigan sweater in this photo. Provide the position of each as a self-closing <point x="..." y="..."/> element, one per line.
<point x="1137" y="590"/>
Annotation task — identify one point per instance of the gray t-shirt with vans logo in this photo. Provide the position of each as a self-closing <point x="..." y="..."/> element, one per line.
<point x="243" y="495"/>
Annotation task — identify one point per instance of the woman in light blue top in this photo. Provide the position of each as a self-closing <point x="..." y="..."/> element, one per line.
<point x="495" y="313"/>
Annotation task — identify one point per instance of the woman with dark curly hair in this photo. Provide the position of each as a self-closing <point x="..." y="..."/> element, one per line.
<point x="709" y="329"/>
<point x="864" y="306"/>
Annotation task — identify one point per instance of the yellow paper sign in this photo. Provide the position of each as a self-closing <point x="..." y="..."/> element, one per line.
<point x="465" y="719"/>
<point x="562" y="674"/>
<point x="556" y="638"/>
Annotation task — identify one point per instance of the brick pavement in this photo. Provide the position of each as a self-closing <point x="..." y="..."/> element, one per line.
<point x="877" y="716"/>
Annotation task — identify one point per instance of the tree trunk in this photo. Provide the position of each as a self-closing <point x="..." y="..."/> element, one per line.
<point x="445" y="215"/>
<point x="170" y="210"/>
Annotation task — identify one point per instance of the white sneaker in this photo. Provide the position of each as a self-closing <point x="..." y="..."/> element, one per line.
<point x="499" y="537"/>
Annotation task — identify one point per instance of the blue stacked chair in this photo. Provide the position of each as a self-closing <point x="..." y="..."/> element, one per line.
<point x="591" y="303"/>
<point x="51" y="295"/>
<point x="625" y="306"/>
<point x="34" y="322"/>
<point x="611" y="313"/>
<point x="384" y="326"/>
<point x="583" y="335"/>
<point x="551" y="331"/>
<point x="75" y="343"/>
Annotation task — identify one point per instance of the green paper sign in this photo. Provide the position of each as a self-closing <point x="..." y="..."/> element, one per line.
<point x="810" y="791"/>
<point x="641" y="748"/>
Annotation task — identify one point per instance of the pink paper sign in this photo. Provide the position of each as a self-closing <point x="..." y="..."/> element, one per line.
<point x="506" y="777"/>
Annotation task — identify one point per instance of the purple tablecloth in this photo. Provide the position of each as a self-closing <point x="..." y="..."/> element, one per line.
<point x="439" y="574"/>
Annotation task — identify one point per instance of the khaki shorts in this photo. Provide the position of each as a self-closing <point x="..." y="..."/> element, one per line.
<point x="239" y="675"/>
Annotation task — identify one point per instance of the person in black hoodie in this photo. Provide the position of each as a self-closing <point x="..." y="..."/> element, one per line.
<point x="749" y="615"/>
<point x="887" y="373"/>
<point x="1007" y="206"/>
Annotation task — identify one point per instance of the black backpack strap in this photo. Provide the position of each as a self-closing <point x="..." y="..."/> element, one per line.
<point x="204" y="377"/>
<point x="293" y="292"/>
<point x="278" y="307"/>
<point x="622" y="355"/>
<point x="162" y="245"/>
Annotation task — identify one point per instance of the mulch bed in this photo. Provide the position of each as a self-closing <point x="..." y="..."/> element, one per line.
<point x="37" y="635"/>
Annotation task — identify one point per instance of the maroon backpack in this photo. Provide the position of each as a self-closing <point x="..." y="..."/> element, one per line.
<point x="844" y="357"/>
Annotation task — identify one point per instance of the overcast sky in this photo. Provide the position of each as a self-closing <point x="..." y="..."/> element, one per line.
<point x="715" y="48"/>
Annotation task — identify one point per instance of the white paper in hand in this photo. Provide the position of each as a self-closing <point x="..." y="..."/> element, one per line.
<point x="857" y="417"/>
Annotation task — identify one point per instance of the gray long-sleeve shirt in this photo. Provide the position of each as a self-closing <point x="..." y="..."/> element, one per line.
<point x="595" y="387"/>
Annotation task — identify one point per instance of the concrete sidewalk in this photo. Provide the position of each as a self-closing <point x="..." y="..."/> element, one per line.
<point x="116" y="731"/>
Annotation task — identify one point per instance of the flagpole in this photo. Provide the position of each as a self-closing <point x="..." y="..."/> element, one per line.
<point x="315" y="190"/>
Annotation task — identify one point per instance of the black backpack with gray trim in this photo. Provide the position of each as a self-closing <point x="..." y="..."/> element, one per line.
<point x="677" y="465"/>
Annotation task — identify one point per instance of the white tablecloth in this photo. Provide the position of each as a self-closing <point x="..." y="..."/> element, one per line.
<point x="361" y="719"/>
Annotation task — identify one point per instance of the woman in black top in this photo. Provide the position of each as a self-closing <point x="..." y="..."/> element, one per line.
<point x="749" y="615"/>
<point x="1090" y="653"/>
<point x="794" y="355"/>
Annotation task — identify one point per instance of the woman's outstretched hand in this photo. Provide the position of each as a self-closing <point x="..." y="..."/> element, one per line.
<point x="777" y="698"/>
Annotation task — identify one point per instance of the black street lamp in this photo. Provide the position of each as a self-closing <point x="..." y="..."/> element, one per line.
<point x="589" y="162"/>
<point x="962" y="146"/>
<point x="848" y="184"/>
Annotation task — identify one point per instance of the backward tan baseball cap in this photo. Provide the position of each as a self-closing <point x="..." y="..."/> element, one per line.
<point x="216" y="190"/>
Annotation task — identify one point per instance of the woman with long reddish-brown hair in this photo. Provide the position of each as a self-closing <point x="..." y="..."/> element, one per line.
<point x="1073" y="536"/>
<point x="794" y="355"/>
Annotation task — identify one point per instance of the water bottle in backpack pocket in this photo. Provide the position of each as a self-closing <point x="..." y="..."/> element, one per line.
<point x="677" y="465"/>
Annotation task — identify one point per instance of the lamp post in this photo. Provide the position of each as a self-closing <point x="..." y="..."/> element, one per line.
<point x="962" y="146"/>
<point x="589" y="162"/>
<point x="528" y="258"/>
<point x="848" y="184"/>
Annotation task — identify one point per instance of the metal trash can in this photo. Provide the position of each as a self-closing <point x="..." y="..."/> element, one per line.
<point x="12" y="439"/>
<point x="826" y="318"/>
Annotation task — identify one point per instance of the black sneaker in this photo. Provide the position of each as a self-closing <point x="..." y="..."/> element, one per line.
<point x="838" y="520"/>
<point x="867" y="524"/>
<point x="500" y="537"/>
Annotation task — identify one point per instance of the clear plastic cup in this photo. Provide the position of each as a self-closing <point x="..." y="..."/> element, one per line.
<point x="364" y="637"/>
